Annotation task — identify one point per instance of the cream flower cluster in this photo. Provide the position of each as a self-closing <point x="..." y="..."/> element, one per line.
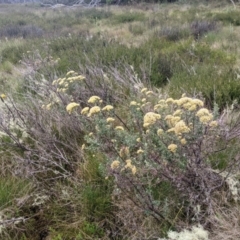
<point x="115" y="164"/>
<point x="130" y="166"/>
<point x="179" y="128"/>
<point x="204" y="116"/>
<point x="94" y="110"/>
<point x="172" y="147"/>
<point x="150" y="118"/>
<point x="90" y="111"/>
<point x="71" y="106"/>
<point x="63" y="83"/>
<point x="94" y="99"/>
<point x="189" y="103"/>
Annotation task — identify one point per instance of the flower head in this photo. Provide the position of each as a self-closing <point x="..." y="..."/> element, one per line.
<point x="124" y="152"/>
<point x="169" y="100"/>
<point x="198" y="102"/>
<point x="181" y="127"/>
<point x="183" y="141"/>
<point x="71" y="106"/>
<point x="202" y="112"/>
<point x="172" y="147"/>
<point x="213" y="124"/>
<point x="115" y="164"/>
<point x="119" y="128"/>
<point x="107" y="108"/>
<point x="149" y="93"/>
<point x="206" y="119"/>
<point x="110" y="119"/>
<point x="144" y="90"/>
<point x="3" y="96"/>
<point x="94" y="99"/>
<point x="134" y="170"/>
<point x="150" y="118"/>
<point x="172" y="120"/>
<point x="133" y="103"/>
<point x="70" y="73"/>
<point x="85" y="111"/>
<point x="139" y="151"/>
<point x="177" y="112"/>
<point x="48" y="107"/>
<point x="160" y="132"/>
<point x="94" y="110"/>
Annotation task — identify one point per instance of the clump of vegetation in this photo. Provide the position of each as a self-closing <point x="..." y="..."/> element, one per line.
<point x="119" y="125"/>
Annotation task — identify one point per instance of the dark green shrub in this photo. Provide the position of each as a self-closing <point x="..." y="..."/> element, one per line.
<point x="230" y="17"/>
<point x="136" y="29"/>
<point x="161" y="70"/>
<point x="14" y="54"/>
<point x="128" y="17"/>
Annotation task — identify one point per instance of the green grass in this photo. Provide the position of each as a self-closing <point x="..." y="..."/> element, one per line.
<point x="12" y="188"/>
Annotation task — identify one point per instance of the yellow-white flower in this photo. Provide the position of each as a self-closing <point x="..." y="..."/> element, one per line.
<point x="202" y="112"/>
<point x="150" y="118"/>
<point x="183" y="141"/>
<point x="134" y="170"/>
<point x="160" y="132"/>
<point x="107" y="108"/>
<point x="124" y="152"/>
<point x="71" y="106"/>
<point x="181" y="127"/>
<point x="149" y="93"/>
<point x="133" y="103"/>
<point x="206" y="119"/>
<point x="48" y="107"/>
<point x="213" y="124"/>
<point x="198" y="102"/>
<point x="144" y="90"/>
<point x="177" y="112"/>
<point x="83" y="146"/>
<point x="139" y="151"/>
<point x="94" y="99"/>
<point x="172" y="147"/>
<point x="110" y="119"/>
<point x="94" y="110"/>
<point x="128" y="163"/>
<point x="169" y="100"/>
<point x="3" y="96"/>
<point x="85" y="111"/>
<point x="172" y="120"/>
<point x="119" y="128"/>
<point x="70" y="73"/>
<point x="115" y="164"/>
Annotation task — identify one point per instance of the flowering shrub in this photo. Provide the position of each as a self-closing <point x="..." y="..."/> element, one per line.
<point x="155" y="152"/>
<point x="152" y="140"/>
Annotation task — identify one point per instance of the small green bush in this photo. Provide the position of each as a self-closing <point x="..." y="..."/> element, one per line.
<point x="10" y="189"/>
<point x="136" y="29"/>
<point x="230" y="17"/>
<point x="174" y="33"/>
<point x="95" y="14"/>
<point x="128" y="17"/>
